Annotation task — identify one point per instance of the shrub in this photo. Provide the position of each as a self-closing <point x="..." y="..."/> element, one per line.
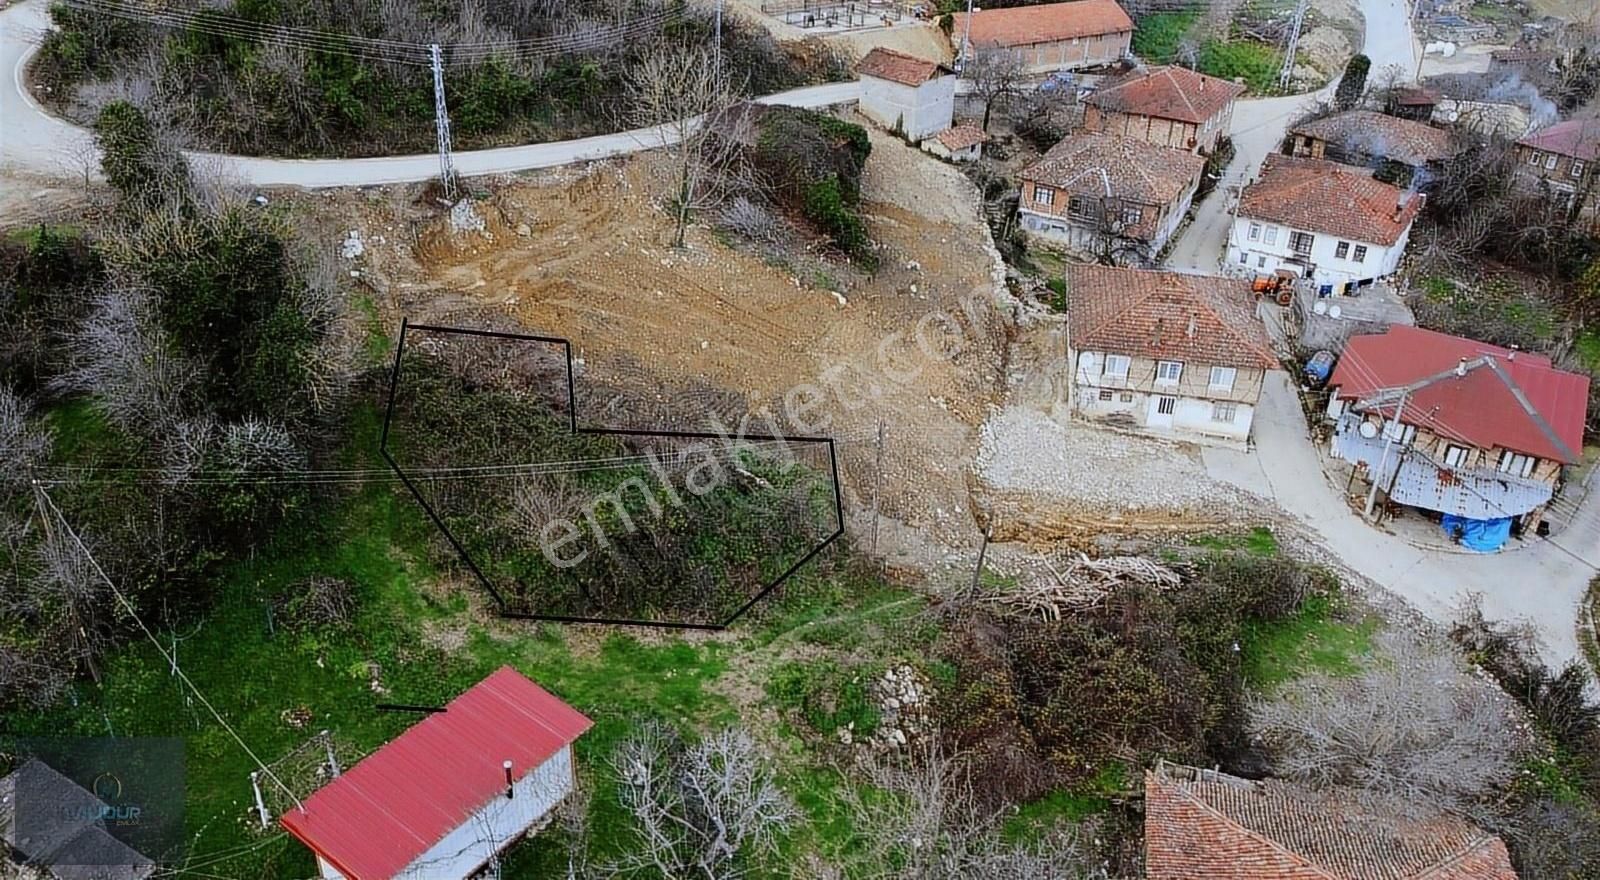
<point x="825" y="206"/>
<point x="135" y="162"/>
<point x="826" y="695"/>
<point x="316" y="602"/>
<point x="1353" y="83"/>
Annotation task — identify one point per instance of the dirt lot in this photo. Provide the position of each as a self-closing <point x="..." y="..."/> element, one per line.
<point x="582" y="254"/>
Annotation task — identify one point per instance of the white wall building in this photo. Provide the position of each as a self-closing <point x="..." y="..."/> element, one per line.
<point x="907" y="94"/>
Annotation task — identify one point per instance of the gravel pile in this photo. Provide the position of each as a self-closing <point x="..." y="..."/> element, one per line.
<point x="1024" y="450"/>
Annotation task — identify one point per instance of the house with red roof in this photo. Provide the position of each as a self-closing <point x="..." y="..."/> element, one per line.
<point x="1164" y="353"/>
<point x="1049" y="36"/>
<point x="1559" y="163"/>
<point x="1332" y="224"/>
<point x="1455" y="426"/>
<point x="1168" y="106"/>
<point x="906" y="94"/>
<point x="444" y="798"/>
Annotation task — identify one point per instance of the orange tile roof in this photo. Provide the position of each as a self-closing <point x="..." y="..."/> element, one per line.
<point x="1198" y="319"/>
<point x="1211" y="825"/>
<point x="1333" y="199"/>
<point x="1044" y="23"/>
<point x="899" y="67"/>
<point x="1132" y="169"/>
<point x="1167" y="93"/>
<point x="1382" y="135"/>
<point x="962" y="136"/>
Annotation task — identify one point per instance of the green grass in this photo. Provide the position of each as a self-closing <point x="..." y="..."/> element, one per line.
<point x="1156" y="36"/>
<point x="1316" y="639"/>
<point x="1258" y="541"/>
<point x="1038" y="818"/>
<point x="1256" y="63"/>
<point x="378" y="347"/>
<point x="1587" y="345"/>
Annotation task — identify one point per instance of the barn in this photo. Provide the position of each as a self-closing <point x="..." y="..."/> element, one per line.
<point x="442" y="799"/>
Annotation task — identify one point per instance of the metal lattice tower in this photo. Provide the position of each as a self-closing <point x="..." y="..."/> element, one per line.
<point x="1293" y="47"/>
<point x="441" y="115"/>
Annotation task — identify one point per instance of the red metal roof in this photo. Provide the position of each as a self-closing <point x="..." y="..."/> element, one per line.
<point x="395" y="804"/>
<point x="1512" y="400"/>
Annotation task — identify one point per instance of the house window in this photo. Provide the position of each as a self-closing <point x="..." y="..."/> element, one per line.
<point x="1105" y="395"/>
<point x="1168" y="372"/>
<point x="1360" y="255"/>
<point x="1341" y="250"/>
<point x="1084" y="209"/>
<point x="1272" y="235"/>
<point x="1244" y="258"/>
<point x="1550" y="162"/>
<point x="1454" y="456"/>
<point x="1224" y="412"/>
<point x="1166" y="405"/>
<point x="1222" y="378"/>
<point x="1517" y="465"/>
<point x="1261" y="262"/>
<point x="1255" y="232"/>
<point x="1043" y="195"/>
<point x="1534" y="157"/>
<point x="1578" y="167"/>
<point x="1127" y="397"/>
<point x="1300" y="243"/>
<point x="1399" y="432"/>
<point x="1130" y="216"/>
<point x="1116" y="366"/>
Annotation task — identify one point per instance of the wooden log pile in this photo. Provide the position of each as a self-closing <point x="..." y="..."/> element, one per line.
<point x="1053" y="587"/>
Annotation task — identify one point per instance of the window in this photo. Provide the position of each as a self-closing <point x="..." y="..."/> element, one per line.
<point x="1084" y="209"/>
<point x="1168" y="372"/>
<point x="1130" y="216"/>
<point x="1222" y="378"/>
<point x="1341" y="250"/>
<point x="1399" y="432"/>
<point x="1255" y="232"/>
<point x="1272" y="235"/>
<point x="1517" y="465"/>
<point x="1454" y="456"/>
<point x="1261" y="262"/>
<point x="1043" y="195"/>
<point x="1301" y="242"/>
<point x="1224" y="412"/>
<point x="1127" y="397"/>
<point x="1578" y="167"/>
<point x="1116" y="366"/>
<point x="1105" y="395"/>
<point x="1166" y="405"/>
<point x="1360" y="255"/>
<point x="1550" y="161"/>
<point x="1535" y="157"/>
<point x="1244" y="258"/>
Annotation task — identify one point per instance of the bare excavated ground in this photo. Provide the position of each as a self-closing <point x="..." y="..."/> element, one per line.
<point x="700" y="333"/>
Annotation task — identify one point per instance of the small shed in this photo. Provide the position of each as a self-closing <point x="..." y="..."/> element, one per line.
<point x="442" y="799"/>
<point x="907" y="94"/>
<point x="961" y="143"/>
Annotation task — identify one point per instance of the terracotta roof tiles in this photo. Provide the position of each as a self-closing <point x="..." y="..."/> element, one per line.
<point x="1043" y="23"/>
<point x="1378" y="134"/>
<point x="1578" y="138"/>
<point x="907" y="70"/>
<point x="962" y="136"/>
<point x="1167" y="93"/>
<point x="1106" y="165"/>
<point x="1334" y="199"/>
<point x="1199" y="319"/>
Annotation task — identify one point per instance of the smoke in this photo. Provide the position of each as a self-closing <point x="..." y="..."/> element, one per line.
<point x="1513" y="90"/>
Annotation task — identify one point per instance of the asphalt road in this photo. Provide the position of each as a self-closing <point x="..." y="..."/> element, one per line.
<point x="32" y="140"/>
<point x="1258" y="129"/>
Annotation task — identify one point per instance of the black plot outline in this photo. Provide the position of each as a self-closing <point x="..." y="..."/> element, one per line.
<point x="572" y="420"/>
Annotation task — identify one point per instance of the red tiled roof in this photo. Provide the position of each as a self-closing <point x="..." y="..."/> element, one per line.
<point x="962" y="136"/>
<point x="1506" y="399"/>
<point x="1416" y="97"/>
<point x="1167" y="93"/>
<point x="1197" y="319"/>
<point x="1135" y="170"/>
<point x="1200" y="824"/>
<point x="1330" y="198"/>
<point x="391" y="807"/>
<point x="899" y="67"/>
<point x="1382" y="135"/>
<point x="1578" y="138"/>
<point x="1044" y="23"/>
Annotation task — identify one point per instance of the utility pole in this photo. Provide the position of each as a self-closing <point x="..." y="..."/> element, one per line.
<point x="966" y="37"/>
<point x="717" y="50"/>
<point x="1287" y="73"/>
<point x="1383" y="461"/>
<point x="441" y="116"/>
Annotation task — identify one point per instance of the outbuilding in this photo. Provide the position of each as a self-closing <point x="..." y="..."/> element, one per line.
<point x="906" y="94"/>
<point x="441" y="800"/>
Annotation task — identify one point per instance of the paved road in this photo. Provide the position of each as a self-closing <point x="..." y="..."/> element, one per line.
<point x="1258" y="128"/>
<point x="32" y="140"/>
<point x="1538" y="582"/>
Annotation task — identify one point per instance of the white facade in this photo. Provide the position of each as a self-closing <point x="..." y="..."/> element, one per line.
<point x="495" y="826"/>
<point x="1261" y="247"/>
<point x="1150" y="398"/>
<point x="919" y="111"/>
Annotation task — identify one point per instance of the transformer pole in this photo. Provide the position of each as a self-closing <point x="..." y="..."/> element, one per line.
<point x="966" y="36"/>
<point x="1287" y="73"/>
<point x="441" y="115"/>
<point x="1383" y="461"/>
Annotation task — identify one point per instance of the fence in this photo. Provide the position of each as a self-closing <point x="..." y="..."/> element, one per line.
<point x="835" y="15"/>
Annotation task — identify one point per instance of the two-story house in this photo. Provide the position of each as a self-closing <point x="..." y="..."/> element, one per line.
<point x="1331" y="223"/>
<point x="1049" y="36"/>
<point x="1455" y="426"/>
<point x="1109" y="197"/>
<point x="907" y="94"/>
<point x="1168" y="354"/>
<point x="1559" y="162"/>
<point x="1367" y="138"/>
<point x="1166" y="106"/>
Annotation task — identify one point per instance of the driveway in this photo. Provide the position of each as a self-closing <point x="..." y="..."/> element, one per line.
<point x="33" y="140"/>
<point x="1537" y="582"/>
<point x="1258" y="129"/>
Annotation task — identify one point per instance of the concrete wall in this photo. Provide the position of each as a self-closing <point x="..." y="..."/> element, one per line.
<point x="920" y="111"/>
<point x="1259" y="257"/>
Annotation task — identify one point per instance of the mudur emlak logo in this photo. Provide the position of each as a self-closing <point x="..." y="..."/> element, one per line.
<point x="112" y="809"/>
<point x="100" y="800"/>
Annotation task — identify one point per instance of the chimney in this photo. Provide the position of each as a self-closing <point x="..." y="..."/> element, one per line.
<point x="1461" y="367"/>
<point x="509" y="789"/>
<point x="1513" y="355"/>
<point x="1190" y="331"/>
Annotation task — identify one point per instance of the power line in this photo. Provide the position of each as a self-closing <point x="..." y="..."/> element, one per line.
<point x="47" y="501"/>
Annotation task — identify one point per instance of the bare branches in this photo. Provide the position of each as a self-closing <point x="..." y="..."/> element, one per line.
<point x="995" y="74"/>
<point x="120" y="357"/>
<point x="1078" y="584"/>
<point x="22" y="447"/>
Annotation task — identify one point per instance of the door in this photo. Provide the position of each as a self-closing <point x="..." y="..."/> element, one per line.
<point x="1161" y="410"/>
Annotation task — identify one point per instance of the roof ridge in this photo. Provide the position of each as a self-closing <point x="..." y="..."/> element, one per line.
<point x="1327" y="873"/>
<point x="1167" y="71"/>
<point x="1527" y="407"/>
<point x="1208" y="303"/>
<point x="1472" y="848"/>
<point x="1129" y="304"/>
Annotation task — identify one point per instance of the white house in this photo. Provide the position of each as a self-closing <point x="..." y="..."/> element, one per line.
<point x="1321" y="220"/>
<point x="907" y="94"/>
<point x="442" y="799"/>
<point x="963" y="143"/>
<point x="1164" y="353"/>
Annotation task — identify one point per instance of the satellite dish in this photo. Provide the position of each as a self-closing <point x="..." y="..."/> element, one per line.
<point x="1320" y="308"/>
<point x="1369" y="430"/>
<point x="1334" y="312"/>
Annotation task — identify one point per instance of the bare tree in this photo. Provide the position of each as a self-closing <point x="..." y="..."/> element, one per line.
<point x="698" y="809"/>
<point x="121" y="357"/>
<point x="1411" y="726"/>
<point x="684" y="98"/>
<point x="996" y="74"/>
<point x="22" y="447"/>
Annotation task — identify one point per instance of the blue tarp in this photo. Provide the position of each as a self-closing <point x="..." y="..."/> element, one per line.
<point x="1482" y="535"/>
